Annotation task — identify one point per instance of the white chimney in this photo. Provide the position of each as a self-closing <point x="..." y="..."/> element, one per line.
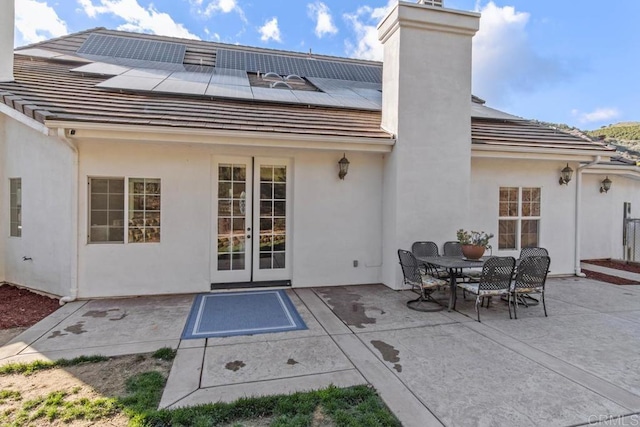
<point x="426" y="103"/>
<point x="7" y="18"/>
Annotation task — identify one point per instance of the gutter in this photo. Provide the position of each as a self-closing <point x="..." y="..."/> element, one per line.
<point x="73" y="289"/>
<point x="160" y="134"/>
<point x="596" y="160"/>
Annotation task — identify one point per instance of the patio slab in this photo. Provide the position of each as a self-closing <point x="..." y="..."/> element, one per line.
<point x="435" y="369"/>
<point x="377" y="308"/>
<point x="469" y="380"/>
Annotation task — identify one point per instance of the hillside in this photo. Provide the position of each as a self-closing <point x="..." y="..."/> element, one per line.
<point x="624" y="136"/>
<point x="626" y="131"/>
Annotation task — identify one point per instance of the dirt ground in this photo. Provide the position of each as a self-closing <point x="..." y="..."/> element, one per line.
<point x="20" y="307"/>
<point x="92" y="380"/>
<point x="615" y="264"/>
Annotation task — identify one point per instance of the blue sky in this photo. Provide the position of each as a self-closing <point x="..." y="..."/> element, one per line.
<point x="559" y="61"/>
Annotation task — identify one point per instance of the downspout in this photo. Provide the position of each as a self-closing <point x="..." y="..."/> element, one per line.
<point x="577" y="269"/>
<point x="73" y="289"/>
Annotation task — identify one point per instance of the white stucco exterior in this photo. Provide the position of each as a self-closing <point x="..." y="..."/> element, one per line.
<point x="44" y="164"/>
<point x="427" y="87"/>
<point x="334" y="222"/>
<point x="602" y="214"/>
<point x="7" y="14"/>
<point x="339" y="232"/>
<point x="557" y="225"/>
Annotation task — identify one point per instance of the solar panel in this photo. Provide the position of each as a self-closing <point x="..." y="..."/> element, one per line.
<point x="100" y="45"/>
<point x="304" y="67"/>
<point x="101" y="69"/>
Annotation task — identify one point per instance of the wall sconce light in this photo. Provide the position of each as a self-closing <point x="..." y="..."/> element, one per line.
<point x="344" y="167"/>
<point x="565" y="175"/>
<point x="606" y="185"/>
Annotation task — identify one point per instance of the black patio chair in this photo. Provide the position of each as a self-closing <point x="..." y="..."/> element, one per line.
<point x="428" y="249"/>
<point x="524" y="298"/>
<point x="530" y="279"/>
<point x="452" y="249"/>
<point x="421" y="282"/>
<point x="495" y="280"/>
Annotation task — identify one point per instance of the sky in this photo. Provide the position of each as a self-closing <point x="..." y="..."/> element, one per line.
<point x="557" y="61"/>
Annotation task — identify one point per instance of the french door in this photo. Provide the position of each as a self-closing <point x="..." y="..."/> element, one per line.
<point x="251" y="227"/>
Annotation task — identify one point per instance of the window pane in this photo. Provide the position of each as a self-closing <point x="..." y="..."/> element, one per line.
<point x="529" y="234"/>
<point x="144" y="210"/>
<point x="237" y="262"/>
<point x="265" y="261"/>
<point x="508" y="201"/>
<point x="106" y="217"/>
<point x="224" y="262"/>
<point x="280" y="174"/>
<point x="15" y="207"/>
<point x="507" y="234"/>
<point x="530" y="202"/>
<point x="278" y="260"/>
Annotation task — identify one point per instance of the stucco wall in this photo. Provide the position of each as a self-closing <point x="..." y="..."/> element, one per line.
<point x="557" y="231"/>
<point x="3" y="189"/>
<point x="334" y="222"/>
<point x="45" y="166"/>
<point x="602" y="215"/>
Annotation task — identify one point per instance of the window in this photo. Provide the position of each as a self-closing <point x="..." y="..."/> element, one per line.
<point x="144" y="210"/>
<point x="107" y="209"/>
<point x="519" y="221"/>
<point x="15" y="206"/>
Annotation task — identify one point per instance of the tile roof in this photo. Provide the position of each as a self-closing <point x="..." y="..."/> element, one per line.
<point x="526" y="134"/>
<point x="45" y="90"/>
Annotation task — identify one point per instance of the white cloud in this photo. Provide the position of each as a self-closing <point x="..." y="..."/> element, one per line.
<point x="218" y="6"/>
<point x="320" y="12"/>
<point x="270" y="31"/>
<point x="597" y="115"/>
<point x="137" y="18"/>
<point x="363" y="23"/>
<point x="37" y="21"/>
<point x="504" y="62"/>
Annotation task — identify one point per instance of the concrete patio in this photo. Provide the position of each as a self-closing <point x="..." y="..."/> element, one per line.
<point x="580" y="365"/>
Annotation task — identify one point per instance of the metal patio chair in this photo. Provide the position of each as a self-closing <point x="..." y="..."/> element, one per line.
<point x="452" y="248"/>
<point x="421" y="282"/>
<point x="428" y="249"/>
<point x="495" y="280"/>
<point x="530" y="278"/>
<point x="524" y="298"/>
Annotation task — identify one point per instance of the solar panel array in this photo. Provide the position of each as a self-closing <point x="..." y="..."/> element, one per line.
<point x="304" y="67"/>
<point x="99" y="45"/>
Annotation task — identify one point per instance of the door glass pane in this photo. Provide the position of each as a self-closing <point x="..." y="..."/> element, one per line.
<point x="272" y="216"/>
<point x="232" y="212"/>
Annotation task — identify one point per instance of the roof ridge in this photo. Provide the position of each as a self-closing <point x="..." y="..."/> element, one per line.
<point x="70" y="35"/>
<point x="213" y="44"/>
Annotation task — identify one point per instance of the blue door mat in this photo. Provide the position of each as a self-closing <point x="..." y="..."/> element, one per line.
<point x="242" y="313"/>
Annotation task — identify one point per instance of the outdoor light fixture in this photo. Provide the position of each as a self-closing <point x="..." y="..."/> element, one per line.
<point x="565" y="175"/>
<point x="606" y="185"/>
<point x="344" y="167"/>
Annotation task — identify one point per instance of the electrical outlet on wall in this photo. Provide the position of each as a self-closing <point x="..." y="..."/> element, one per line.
<point x="355" y="262"/>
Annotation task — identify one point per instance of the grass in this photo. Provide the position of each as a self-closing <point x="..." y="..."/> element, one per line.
<point x="41" y="365"/>
<point x="165" y="353"/>
<point x="348" y="407"/>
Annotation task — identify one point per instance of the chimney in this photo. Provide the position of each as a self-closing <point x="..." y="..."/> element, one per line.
<point x="7" y="18"/>
<point x="426" y="104"/>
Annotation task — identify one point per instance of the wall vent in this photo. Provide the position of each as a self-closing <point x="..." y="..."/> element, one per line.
<point x="437" y="3"/>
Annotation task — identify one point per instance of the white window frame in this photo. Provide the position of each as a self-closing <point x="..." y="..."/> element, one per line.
<point x="126" y="203"/>
<point x="519" y="218"/>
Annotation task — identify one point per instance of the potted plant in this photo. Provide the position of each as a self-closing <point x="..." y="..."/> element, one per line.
<point x="474" y="243"/>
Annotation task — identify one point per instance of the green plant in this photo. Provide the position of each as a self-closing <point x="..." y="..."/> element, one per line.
<point x="165" y="353"/>
<point x="476" y="238"/>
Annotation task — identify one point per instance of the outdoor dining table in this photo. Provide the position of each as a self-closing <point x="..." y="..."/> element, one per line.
<point x="454" y="265"/>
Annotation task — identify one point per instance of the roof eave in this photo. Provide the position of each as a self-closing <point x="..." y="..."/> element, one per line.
<point x="530" y="153"/>
<point x="86" y="131"/>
